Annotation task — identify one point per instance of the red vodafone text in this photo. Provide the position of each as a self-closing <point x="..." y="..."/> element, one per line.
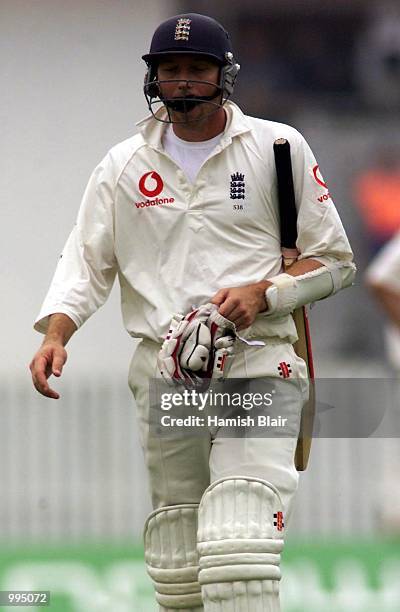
<point x="151" y="185"/>
<point x="155" y="202"/>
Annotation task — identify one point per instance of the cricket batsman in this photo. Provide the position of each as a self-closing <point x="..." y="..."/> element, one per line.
<point x="185" y="212"/>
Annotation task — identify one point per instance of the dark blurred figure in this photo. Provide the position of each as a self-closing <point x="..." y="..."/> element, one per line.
<point x="297" y="60"/>
<point x="377" y="63"/>
<point x="264" y="75"/>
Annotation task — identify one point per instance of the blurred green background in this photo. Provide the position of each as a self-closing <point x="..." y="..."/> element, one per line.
<point x="333" y="576"/>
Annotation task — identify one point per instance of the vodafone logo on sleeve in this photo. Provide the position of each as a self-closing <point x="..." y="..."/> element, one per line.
<point x="151" y="185"/>
<point x="318" y="178"/>
<point x="320" y="181"/>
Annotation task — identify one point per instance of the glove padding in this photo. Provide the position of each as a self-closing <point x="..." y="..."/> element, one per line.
<point x="197" y="348"/>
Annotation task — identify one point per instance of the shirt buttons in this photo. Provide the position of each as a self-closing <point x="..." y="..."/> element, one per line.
<point x="195" y="220"/>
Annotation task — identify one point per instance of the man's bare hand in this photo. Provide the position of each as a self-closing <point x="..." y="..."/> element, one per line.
<point x="51" y="356"/>
<point x="48" y="360"/>
<point x="241" y="304"/>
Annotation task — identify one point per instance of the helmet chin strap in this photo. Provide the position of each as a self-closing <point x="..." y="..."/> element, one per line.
<point x="186" y="103"/>
<point x="182" y="104"/>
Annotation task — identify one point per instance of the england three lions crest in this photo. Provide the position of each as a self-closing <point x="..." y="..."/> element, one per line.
<point x="182" y="29"/>
<point x="237" y="190"/>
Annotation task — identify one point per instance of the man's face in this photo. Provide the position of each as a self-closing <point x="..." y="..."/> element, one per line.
<point x="189" y="76"/>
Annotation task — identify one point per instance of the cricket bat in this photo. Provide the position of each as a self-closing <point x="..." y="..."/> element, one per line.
<point x="288" y="227"/>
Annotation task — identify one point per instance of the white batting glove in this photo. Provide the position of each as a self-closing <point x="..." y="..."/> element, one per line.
<point x="174" y="357"/>
<point x="198" y="347"/>
<point x="224" y="335"/>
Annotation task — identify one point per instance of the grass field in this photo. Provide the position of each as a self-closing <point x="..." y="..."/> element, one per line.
<point x="341" y="576"/>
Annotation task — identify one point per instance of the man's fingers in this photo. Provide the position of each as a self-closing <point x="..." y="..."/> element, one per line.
<point x="228" y="307"/>
<point x="41" y="384"/>
<point x="235" y="314"/>
<point x="242" y="323"/>
<point x="58" y="363"/>
<point x="219" y="297"/>
<point x="42" y="366"/>
<point x="47" y="391"/>
<point x="39" y="367"/>
<point x="240" y="318"/>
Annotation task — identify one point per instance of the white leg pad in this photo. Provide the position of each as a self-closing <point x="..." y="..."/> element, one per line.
<point x="172" y="558"/>
<point x="239" y="543"/>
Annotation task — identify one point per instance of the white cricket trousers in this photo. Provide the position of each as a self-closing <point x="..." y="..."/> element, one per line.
<point x="181" y="469"/>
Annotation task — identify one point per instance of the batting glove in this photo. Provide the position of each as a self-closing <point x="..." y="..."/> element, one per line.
<point x="198" y="347"/>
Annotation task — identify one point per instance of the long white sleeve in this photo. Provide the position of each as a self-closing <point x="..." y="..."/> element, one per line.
<point x="86" y="270"/>
<point x="320" y="231"/>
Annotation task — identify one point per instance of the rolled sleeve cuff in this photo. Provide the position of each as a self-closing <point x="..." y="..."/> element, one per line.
<point x="42" y="322"/>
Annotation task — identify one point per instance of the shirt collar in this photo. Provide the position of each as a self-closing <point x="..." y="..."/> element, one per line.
<point x="237" y="123"/>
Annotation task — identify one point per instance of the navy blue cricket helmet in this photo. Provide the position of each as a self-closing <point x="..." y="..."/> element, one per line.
<point x="194" y="34"/>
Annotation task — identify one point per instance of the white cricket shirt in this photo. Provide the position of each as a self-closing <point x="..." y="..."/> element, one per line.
<point x="174" y="244"/>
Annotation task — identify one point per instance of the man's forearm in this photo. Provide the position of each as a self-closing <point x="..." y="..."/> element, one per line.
<point x="242" y="304"/>
<point x="296" y="269"/>
<point x="60" y="329"/>
<point x="304" y="282"/>
<point x="303" y="266"/>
